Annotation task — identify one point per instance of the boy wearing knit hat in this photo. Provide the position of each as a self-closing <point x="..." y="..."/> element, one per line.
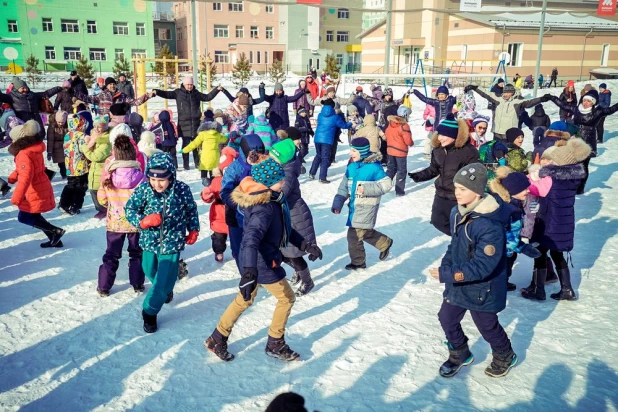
<point x="516" y="157"/>
<point x="364" y="184"/>
<point x="267" y="229"/>
<point x="443" y="104"/>
<point x="475" y="263"/>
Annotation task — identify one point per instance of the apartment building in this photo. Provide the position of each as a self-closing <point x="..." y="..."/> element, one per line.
<point x="371" y="18"/>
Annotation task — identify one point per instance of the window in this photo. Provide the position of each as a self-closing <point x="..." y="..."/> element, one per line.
<point x="270" y="9"/>
<point x="240" y="32"/>
<point x="119" y="53"/>
<point x="216" y="7"/>
<point x="47" y="24"/>
<point x="178" y="34"/>
<point x="121" y="29"/>
<point x="464" y="51"/>
<point x="50" y="53"/>
<point x="258" y="57"/>
<point x="605" y="55"/>
<point x="221" y="30"/>
<point x="342" y="36"/>
<point x="138" y="53"/>
<point x="516" y="51"/>
<point x="340" y="59"/>
<point x="329" y="35"/>
<point x="140" y="29"/>
<point x="254" y="32"/>
<point x="250" y="57"/>
<point x="72" y="53"/>
<point x="317" y="64"/>
<point x="222" y="57"/>
<point x="92" y="26"/>
<point x="165" y="34"/>
<point x="236" y="6"/>
<point x="343" y="13"/>
<point x="69" y="26"/>
<point x="97" y="55"/>
<point x="12" y="24"/>
<point x="266" y="57"/>
<point x="269" y="33"/>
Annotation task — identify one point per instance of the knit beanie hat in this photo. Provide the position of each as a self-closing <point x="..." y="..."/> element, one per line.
<point x="61" y="117"/>
<point x="73" y="73"/>
<point x="209" y="115"/>
<point x="509" y="88"/>
<point x="449" y="127"/>
<point x="243" y="100"/>
<point x="576" y="150"/>
<point x="101" y="120"/>
<point x="571" y="83"/>
<point x="513" y="133"/>
<point x="28" y="129"/>
<point x="267" y="172"/>
<point x="472" y="177"/>
<point x="331" y="89"/>
<point x="121" y="129"/>
<point x="293" y="133"/>
<point x="109" y="80"/>
<point x="559" y="126"/>
<point x="278" y="86"/>
<point x="147" y="143"/>
<point x="362" y="145"/>
<point x="288" y="401"/>
<point x="228" y="155"/>
<point x="480" y="119"/>
<point x="500" y="80"/>
<point x="187" y="80"/>
<point x="283" y="151"/>
<point x="515" y="183"/>
<point x="18" y="83"/>
<point x="442" y="89"/>
<point x="66" y="84"/>
<point x="351" y="109"/>
<point x="301" y="110"/>
<point x="548" y="152"/>
<point x="592" y="95"/>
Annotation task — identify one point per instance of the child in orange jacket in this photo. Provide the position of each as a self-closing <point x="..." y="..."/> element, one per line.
<point x="398" y="140"/>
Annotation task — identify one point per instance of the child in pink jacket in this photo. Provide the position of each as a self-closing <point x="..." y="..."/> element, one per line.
<point x="539" y="187"/>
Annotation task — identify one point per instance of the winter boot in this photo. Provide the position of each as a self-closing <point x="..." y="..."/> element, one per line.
<point x="458" y="358"/>
<point x="352" y="266"/>
<point x="182" y="269"/>
<point x="170" y="297"/>
<point x="54" y="234"/>
<point x="566" y="290"/>
<point x="536" y="290"/>
<point x="511" y="286"/>
<point x="551" y="273"/>
<point x="139" y="289"/>
<point x="385" y="252"/>
<point x="307" y="282"/>
<point x="277" y="348"/>
<point x="4" y="188"/>
<point x="326" y="181"/>
<point x="501" y="363"/>
<point x="295" y="279"/>
<point x="103" y="293"/>
<point x="150" y="322"/>
<point x="217" y="344"/>
<point x="311" y="177"/>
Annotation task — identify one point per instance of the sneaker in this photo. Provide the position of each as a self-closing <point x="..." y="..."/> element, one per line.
<point x="457" y="359"/>
<point x="139" y="289"/>
<point x="324" y="181"/>
<point x="511" y="286"/>
<point x="103" y="293"/>
<point x="277" y="348"/>
<point x="312" y="177"/>
<point x="304" y="289"/>
<point x="219" y="257"/>
<point x="295" y="279"/>
<point x="352" y="266"/>
<point x="385" y="252"/>
<point x="501" y="364"/>
<point x="218" y="348"/>
<point x="170" y="297"/>
<point x="150" y="322"/>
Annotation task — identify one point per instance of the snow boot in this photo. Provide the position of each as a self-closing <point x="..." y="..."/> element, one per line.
<point x="326" y="181"/>
<point x="170" y="297"/>
<point x="295" y="279"/>
<point x="139" y="289"/>
<point x="277" y="348"/>
<point x="566" y="290"/>
<point x="4" y="188"/>
<point x="536" y="290"/>
<point x="352" y="266"/>
<point x="217" y="344"/>
<point x="150" y="322"/>
<point x="551" y="273"/>
<point x="182" y="269"/>
<point x="307" y="283"/>
<point x="103" y="293"/>
<point x="511" y="286"/>
<point x="54" y="234"/>
<point x="501" y="363"/>
<point x="458" y="358"/>
<point x="385" y="252"/>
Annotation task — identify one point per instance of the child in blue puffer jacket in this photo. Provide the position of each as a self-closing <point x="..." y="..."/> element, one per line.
<point x="164" y="211"/>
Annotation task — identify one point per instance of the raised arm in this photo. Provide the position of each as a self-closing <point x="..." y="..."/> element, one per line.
<point x="292" y="99"/>
<point x="208" y="97"/>
<point x="491" y="97"/>
<point x="171" y="94"/>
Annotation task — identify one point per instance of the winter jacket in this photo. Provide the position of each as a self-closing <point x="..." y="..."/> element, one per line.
<point x="564" y="96"/>
<point x="443" y="107"/>
<point x="26" y="106"/>
<point x="539" y="119"/>
<point x="446" y="162"/>
<point x="328" y="121"/>
<point x="279" y="117"/>
<point x="398" y="137"/>
<point x="555" y="221"/>
<point x="429" y="115"/>
<point x="315" y="90"/>
<point x="75" y="160"/>
<point x="188" y="107"/>
<point x="303" y="124"/>
<point x="105" y="99"/>
<point x="55" y="140"/>
<point x="303" y="101"/>
<point x="216" y="215"/>
<point x="252" y="101"/>
<point x="263" y="231"/>
<point x="587" y="122"/>
<point x="363" y="208"/>
<point x="363" y="106"/>
<point x="79" y="86"/>
<point x="97" y="155"/>
<point x="166" y="129"/>
<point x="208" y="139"/>
<point x="176" y="206"/>
<point x="64" y="101"/>
<point x="507" y="111"/>
<point x="605" y="98"/>
<point x="474" y="266"/>
<point x="371" y="132"/>
<point x="125" y="175"/>
<point x="551" y="137"/>
<point x="33" y="192"/>
<point x="516" y="158"/>
<point x="237" y="118"/>
<point x="127" y="88"/>
<point x="136" y="124"/>
<point x="262" y="128"/>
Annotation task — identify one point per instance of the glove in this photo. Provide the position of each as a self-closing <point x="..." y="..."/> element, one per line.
<point x="152" y="220"/>
<point x="413" y="176"/>
<point x="248" y="283"/>
<point x="192" y="237"/>
<point x="534" y="207"/>
<point x="547" y="97"/>
<point x="49" y="157"/>
<point x="314" y="251"/>
<point x="530" y="250"/>
<point x="470" y="87"/>
<point x="207" y="195"/>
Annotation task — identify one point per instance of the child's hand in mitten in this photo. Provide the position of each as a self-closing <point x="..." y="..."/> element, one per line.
<point x="152" y="220"/>
<point x="192" y="237"/>
<point x="207" y="195"/>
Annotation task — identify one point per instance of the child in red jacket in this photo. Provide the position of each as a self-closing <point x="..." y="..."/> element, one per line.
<point x="211" y="194"/>
<point x="398" y="141"/>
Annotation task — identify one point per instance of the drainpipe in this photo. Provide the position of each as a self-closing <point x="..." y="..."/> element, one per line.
<point x="503" y="36"/>
<point x="581" y="66"/>
<point x="539" y="50"/>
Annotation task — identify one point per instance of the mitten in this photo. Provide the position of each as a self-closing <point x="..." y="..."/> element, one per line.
<point x="248" y="283"/>
<point x="152" y="220"/>
<point x="207" y="195"/>
<point x="530" y="250"/>
<point x="192" y="237"/>
<point x="314" y="251"/>
<point x="534" y="207"/>
<point x="12" y="179"/>
<point x="413" y="176"/>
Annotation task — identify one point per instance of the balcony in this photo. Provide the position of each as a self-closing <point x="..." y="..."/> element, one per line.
<point x="162" y="16"/>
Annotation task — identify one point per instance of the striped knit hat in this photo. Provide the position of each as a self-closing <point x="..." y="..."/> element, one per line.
<point x="448" y="127"/>
<point x="361" y="145"/>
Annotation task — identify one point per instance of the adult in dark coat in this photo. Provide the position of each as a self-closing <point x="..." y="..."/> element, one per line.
<point x="568" y="96"/>
<point x="278" y="109"/>
<point x="125" y="86"/>
<point x="303" y="101"/>
<point x="188" y="100"/>
<point x="363" y="105"/>
<point x="64" y="99"/>
<point x="554" y="77"/>
<point x="245" y="91"/>
<point x="78" y="84"/>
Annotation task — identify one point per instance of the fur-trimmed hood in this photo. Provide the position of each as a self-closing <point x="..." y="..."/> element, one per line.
<point x="568" y="172"/>
<point x="463" y="136"/>
<point x="24" y="143"/>
<point x="557" y="133"/>
<point x="208" y="125"/>
<point x="496" y="184"/>
<point x="251" y="193"/>
<point x="396" y="119"/>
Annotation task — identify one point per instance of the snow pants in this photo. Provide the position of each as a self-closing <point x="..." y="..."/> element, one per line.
<point x="398" y="166"/>
<point x="113" y="253"/>
<point x="441" y="214"/>
<point x="162" y="271"/>
<point x="487" y="323"/>
<point x="74" y="192"/>
<point x="321" y="160"/>
<point x="285" y="300"/>
<point x="356" y="248"/>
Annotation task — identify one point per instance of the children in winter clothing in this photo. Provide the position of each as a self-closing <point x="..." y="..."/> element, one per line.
<point x="166" y="133"/>
<point x="33" y="194"/>
<point x="452" y="150"/>
<point x="147" y="144"/>
<point x="209" y="137"/>
<point x="267" y="229"/>
<point x="478" y="134"/>
<point x="72" y="197"/>
<point x="355" y="119"/>
<point x="364" y="184"/>
<point x="164" y="211"/>
<point x="371" y="132"/>
<point x="124" y="176"/>
<point x="56" y="131"/>
<point x="303" y="124"/>
<point x="237" y="114"/>
<point x="539" y="122"/>
<point x="516" y="157"/>
<point x="474" y="273"/>
<point x="8" y="121"/>
<point x="398" y="141"/>
<point x="539" y="187"/>
<point x="136" y="123"/>
<point x="443" y="104"/>
<point x="212" y="195"/>
<point x="557" y="131"/>
<point x="97" y="148"/>
<point x="262" y="128"/>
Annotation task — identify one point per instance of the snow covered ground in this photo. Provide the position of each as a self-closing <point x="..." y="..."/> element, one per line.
<point x="369" y="341"/>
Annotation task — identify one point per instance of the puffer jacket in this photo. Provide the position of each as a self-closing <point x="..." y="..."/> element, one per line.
<point x="79" y="86"/>
<point x="188" y="106"/>
<point x="97" y="155"/>
<point x="551" y="137"/>
<point x="125" y="175"/>
<point x="167" y="130"/>
<point x="303" y="124"/>
<point x="363" y="209"/>
<point x="564" y="96"/>
<point x="26" y="106"/>
<point x="363" y="106"/>
<point x="262" y="128"/>
<point x="64" y="101"/>
<point x="127" y="88"/>
<point x="303" y="101"/>
<point x="429" y="113"/>
<point x="539" y="119"/>
<point x="371" y="132"/>
<point x="216" y="214"/>
<point x="33" y="192"/>
<point x="328" y="121"/>
<point x="398" y="137"/>
<point x="76" y="162"/>
<point x="605" y="98"/>
<point x="55" y="140"/>
<point x="106" y="99"/>
<point x="443" y="107"/>
<point x="279" y="117"/>
<point x="474" y="266"/>
<point x="516" y="158"/>
<point x="315" y="90"/>
<point x="176" y="206"/>
<point x="209" y="138"/>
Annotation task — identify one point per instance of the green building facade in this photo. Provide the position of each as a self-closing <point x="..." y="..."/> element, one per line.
<point x="10" y="36"/>
<point x="57" y="32"/>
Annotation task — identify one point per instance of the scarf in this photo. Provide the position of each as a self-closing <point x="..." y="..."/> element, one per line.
<point x="583" y="110"/>
<point x="287" y="221"/>
<point x="117" y="164"/>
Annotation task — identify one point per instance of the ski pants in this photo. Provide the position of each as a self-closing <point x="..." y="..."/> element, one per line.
<point x="162" y="271"/>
